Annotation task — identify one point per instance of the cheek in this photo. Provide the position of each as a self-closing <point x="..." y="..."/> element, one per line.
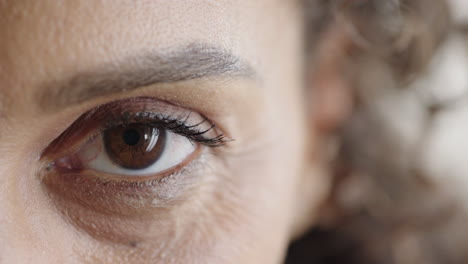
<point x="237" y="212"/>
<point x="264" y="174"/>
<point x="241" y="210"/>
<point x="240" y="213"/>
<point x="30" y="229"/>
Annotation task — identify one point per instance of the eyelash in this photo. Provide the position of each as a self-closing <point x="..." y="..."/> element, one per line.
<point x="178" y="125"/>
<point x="144" y="110"/>
<point x="66" y="175"/>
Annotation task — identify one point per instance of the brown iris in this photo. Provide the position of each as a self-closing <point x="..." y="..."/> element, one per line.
<point x="134" y="146"/>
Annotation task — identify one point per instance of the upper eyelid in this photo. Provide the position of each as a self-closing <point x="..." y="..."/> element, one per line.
<point x="96" y="120"/>
<point x="181" y="126"/>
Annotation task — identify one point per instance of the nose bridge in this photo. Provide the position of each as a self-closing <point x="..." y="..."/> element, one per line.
<point x="29" y="230"/>
<point x="13" y="253"/>
<point x="14" y="237"/>
<point x="7" y="217"/>
<point x="18" y="244"/>
<point x="10" y="251"/>
<point x="9" y="233"/>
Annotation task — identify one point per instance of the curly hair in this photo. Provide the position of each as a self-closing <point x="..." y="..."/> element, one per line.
<point x="383" y="209"/>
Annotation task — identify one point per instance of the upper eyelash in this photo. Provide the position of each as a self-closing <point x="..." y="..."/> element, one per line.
<point x="176" y="124"/>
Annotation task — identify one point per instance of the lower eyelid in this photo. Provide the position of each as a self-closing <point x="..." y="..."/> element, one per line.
<point x="116" y="194"/>
<point x="117" y="211"/>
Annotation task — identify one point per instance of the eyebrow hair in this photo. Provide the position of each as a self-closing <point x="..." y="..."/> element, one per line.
<point x="191" y="62"/>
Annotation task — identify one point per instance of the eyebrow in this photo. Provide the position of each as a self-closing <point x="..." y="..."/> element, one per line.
<point x="191" y="62"/>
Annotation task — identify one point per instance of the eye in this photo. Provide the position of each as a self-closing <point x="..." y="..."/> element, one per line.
<point x="136" y="146"/>
<point x="135" y="149"/>
<point x="118" y="142"/>
<point x="123" y="166"/>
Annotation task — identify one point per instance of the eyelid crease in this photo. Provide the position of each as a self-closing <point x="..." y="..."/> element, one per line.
<point x="120" y="112"/>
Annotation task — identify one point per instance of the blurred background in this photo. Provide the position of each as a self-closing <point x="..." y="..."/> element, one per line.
<point x="400" y="190"/>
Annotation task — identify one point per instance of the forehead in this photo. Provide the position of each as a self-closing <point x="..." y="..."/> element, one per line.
<point x="49" y="39"/>
<point x="80" y="30"/>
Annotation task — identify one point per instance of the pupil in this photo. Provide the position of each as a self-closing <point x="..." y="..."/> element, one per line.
<point x="131" y="137"/>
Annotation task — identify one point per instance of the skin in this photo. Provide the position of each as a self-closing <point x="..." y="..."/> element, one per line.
<point x="244" y="201"/>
